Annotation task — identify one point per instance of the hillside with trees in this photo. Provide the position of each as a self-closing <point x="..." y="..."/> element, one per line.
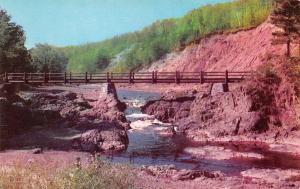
<point x="140" y="49"/>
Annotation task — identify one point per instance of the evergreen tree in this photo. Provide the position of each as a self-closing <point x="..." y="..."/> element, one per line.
<point x="286" y="15"/>
<point x="13" y="54"/>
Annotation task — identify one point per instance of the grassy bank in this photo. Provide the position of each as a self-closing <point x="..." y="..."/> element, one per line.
<point x="96" y="175"/>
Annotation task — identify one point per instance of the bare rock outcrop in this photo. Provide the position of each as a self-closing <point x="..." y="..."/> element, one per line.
<point x="263" y="108"/>
<point x="171" y="107"/>
<point x="103" y="139"/>
<point x="100" y="119"/>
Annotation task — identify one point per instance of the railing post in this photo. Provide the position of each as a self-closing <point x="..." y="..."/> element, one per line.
<point x="107" y="77"/>
<point x="132" y="77"/>
<point x="226" y="77"/>
<point x="153" y="77"/>
<point x="25" y="79"/>
<point x="177" y="77"/>
<point x="130" y="74"/>
<point x="86" y="77"/>
<point x="70" y="78"/>
<point x="91" y="76"/>
<point x="45" y="77"/>
<point x="65" y="78"/>
<point x="6" y="77"/>
<point x="226" y="87"/>
<point x="201" y="77"/>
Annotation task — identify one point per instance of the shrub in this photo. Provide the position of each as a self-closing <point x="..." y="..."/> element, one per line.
<point x="98" y="174"/>
<point x="267" y="70"/>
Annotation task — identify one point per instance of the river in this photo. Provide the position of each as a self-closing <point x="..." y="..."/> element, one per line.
<point x="148" y="147"/>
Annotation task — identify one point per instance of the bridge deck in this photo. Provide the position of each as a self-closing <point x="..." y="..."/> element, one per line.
<point x="131" y="77"/>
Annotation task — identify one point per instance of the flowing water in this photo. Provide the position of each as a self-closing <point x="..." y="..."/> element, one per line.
<point x="148" y="147"/>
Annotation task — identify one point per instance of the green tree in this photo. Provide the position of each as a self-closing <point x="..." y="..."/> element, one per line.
<point x="14" y="56"/>
<point x="46" y="58"/>
<point x="286" y="15"/>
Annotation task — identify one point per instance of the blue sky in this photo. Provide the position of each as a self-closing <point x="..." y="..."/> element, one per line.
<point x="73" y="22"/>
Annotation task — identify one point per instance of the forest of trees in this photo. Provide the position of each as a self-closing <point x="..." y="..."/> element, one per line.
<point x="153" y="42"/>
<point x="13" y="54"/>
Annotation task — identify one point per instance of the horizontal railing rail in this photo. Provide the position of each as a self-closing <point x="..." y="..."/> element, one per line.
<point x="128" y="77"/>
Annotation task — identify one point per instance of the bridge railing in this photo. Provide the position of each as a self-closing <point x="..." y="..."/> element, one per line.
<point x="131" y="77"/>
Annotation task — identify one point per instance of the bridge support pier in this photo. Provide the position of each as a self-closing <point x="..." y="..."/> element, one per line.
<point x="109" y="89"/>
<point x="218" y="88"/>
<point x="225" y="87"/>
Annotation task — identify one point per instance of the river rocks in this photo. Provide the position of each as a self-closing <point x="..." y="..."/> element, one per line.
<point x="253" y="109"/>
<point x="169" y="110"/>
<point x="68" y="106"/>
<point x="192" y="174"/>
<point x="226" y="114"/>
<point x="100" y="119"/>
<point x="103" y="140"/>
<point x="101" y="122"/>
<point x="67" y="95"/>
<point x="170" y="171"/>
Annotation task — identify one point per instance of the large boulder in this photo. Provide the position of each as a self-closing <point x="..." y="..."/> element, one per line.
<point x="103" y="140"/>
<point x="169" y="110"/>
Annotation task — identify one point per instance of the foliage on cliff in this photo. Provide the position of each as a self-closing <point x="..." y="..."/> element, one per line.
<point x="143" y="47"/>
<point x="13" y="54"/>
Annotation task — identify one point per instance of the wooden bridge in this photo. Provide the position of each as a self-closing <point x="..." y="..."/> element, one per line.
<point x="131" y="77"/>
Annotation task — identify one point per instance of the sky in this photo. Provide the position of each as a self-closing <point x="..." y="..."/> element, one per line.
<point x="74" y="22"/>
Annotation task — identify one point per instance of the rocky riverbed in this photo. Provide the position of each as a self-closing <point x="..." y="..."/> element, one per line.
<point x="91" y="119"/>
<point x="69" y="120"/>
